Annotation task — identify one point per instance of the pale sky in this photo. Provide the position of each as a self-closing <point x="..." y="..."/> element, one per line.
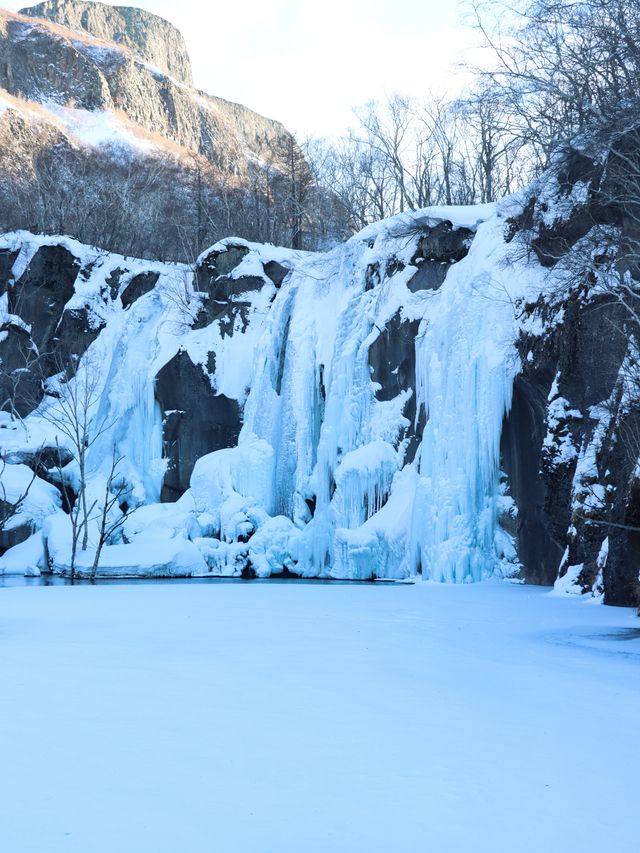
<point x="308" y="64"/>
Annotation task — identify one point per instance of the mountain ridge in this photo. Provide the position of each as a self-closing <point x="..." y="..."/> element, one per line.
<point x="83" y="111"/>
<point x="152" y="37"/>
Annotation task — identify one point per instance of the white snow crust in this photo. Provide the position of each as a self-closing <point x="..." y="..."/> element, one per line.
<point x="282" y="718"/>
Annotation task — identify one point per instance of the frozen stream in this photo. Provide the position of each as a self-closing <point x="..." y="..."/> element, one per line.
<point x="316" y="718"/>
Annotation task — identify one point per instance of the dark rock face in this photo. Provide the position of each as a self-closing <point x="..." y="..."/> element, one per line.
<point x="430" y="276"/>
<point x="276" y="272"/>
<point x="224" y="302"/>
<point x="439" y="248"/>
<point x="138" y="286"/>
<point x="222" y="294"/>
<point x="568" y="449"/>
<point x="42" y="461"/>
<point x="7" y="260"/>
<point x="77" y="330"/>
<point x="15" y="535"/>
<point x="20" y="387"/>
<point x="38" y="298"/>
<point x="521" y="448"/>
<point x="196" y="420"/>
<point x="444" y="244"/>
<point x="551" y="518"/>
<point x="218" y="263"/>
<point x="392" y="358"/>
<point x="42" y="291"/>
<point x="113" y="283"/>
<point x="148" y="36"/>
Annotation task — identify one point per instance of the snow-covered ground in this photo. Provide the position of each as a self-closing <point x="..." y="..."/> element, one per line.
<point x="311" y="718"/>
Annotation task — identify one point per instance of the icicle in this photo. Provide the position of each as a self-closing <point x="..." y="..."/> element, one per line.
<point x="466" y="364"/>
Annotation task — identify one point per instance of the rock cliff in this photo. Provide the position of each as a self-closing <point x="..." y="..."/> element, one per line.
<point x="47" y="61"/>
<point x="150" y="37"/>
<point x="103" y="136"/>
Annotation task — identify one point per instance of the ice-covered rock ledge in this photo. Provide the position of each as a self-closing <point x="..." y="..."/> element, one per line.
<point x="352" y="402"/>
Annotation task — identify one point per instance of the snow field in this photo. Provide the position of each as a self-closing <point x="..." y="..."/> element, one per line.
<point x="281" y="718"/>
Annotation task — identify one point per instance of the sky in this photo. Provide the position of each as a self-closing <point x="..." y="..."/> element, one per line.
<point x="308" y="64"/>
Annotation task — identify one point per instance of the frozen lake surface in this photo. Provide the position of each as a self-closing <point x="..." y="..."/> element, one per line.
<point x="313" y="718"/>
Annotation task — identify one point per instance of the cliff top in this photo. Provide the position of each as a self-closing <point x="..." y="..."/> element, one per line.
<point x="151" y="37"/>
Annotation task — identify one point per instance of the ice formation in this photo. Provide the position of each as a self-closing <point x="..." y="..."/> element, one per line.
<point x="328" y="479"/>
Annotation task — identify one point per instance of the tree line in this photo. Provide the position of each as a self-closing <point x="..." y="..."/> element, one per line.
<point x="160" y="204"/>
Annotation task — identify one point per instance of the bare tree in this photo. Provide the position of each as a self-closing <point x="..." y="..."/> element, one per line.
<point x="114" y="511"/>
<point x="75" y="392"/>
<point x="561" y="67"/>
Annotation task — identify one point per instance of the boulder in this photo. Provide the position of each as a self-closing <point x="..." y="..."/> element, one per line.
<point x="139" y="285"/>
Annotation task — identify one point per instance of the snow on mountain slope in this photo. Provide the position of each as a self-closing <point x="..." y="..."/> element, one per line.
<point x="345" y="465"/>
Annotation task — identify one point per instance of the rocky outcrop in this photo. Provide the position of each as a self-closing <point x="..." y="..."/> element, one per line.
<point x="392" y="358"/>
<point x="222" y="295"/>
<point x="137" y="287"/>
<point x="39" y="295"/>
<point x="568" y="445"/>
<point x="196" y="421"/>
<point x="148" y="36"/>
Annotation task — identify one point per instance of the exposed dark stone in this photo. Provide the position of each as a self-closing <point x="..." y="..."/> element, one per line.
<point x="221" y="302"/>
<point x="393" y="266"/>
<point x="7" y="260"/>
<point x="139" y="285"/>
<point x="543" y="485"/>
<point x="392" y="358"/>
<point x="554" y="241"/>
<point x="47" y="463"/>
<point x="576" y="166"/>
<point x="372" y="276"/>
<point x="621" y="584"/>
<point x="588" y="370"/>
<point x="218" y="263"/>
<point x="429" y="276"/>
<point x="21" y="372"/>
<point x="226" y="288"/>
<point x="113" y="282"/>
<point x="210" y="310"/>
<point x="276" y="272"/>
<point x="77" y="330"/>
<point x="618" y="457"/>
<point x="42" y="460"/>
<point x="524" y="430"/>
<point x="196" y="420"/>
<point x="444" y="243"/>
<point x="42" y="291"/>
<point x="14" y="535"/>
